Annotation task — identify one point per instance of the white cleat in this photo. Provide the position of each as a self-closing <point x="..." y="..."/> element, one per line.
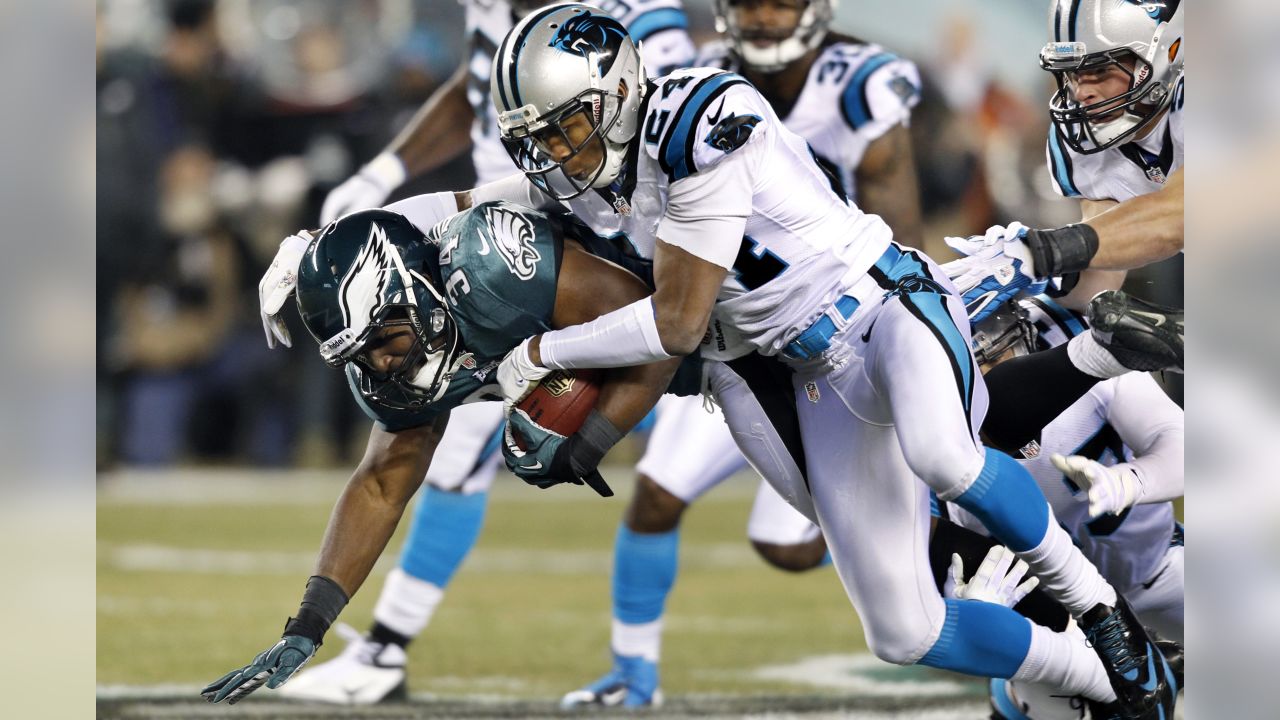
<point x="364" y="673"/>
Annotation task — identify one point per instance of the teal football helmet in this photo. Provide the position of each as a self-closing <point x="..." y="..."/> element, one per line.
<point x="367" y="272"/>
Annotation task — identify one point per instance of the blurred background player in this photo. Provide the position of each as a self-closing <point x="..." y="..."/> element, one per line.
<point x="448" y="517"/>
<point x="1116" y="144"/>
<point x="1110" y="466"/>
<point x="852" y="102"/>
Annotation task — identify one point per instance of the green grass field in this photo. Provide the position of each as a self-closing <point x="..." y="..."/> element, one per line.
<point x="198" y="570"/>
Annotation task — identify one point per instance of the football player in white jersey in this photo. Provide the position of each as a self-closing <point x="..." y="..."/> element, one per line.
<point x="1116" y="144"/>
<point x="450" y="512"/>
<point x="841" y="359"/>
<point x="851" y="101"/>
<point x="1124" y="434"/>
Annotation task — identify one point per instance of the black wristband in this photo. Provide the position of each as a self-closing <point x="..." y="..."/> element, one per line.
<point x="588" y="446"/>
<point x="321" y="603"/>
<point x="1066" y="283"/>
<point x="1063" y="250"/>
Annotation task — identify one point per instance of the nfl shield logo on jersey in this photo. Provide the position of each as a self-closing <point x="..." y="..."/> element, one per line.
<point x="1155" y="174"/>
<point x="1031" y="450"/>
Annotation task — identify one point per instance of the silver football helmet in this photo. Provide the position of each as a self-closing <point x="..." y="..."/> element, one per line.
<point x="1008" y="328"/>
<point x="765" y="50"/>
<point x="559" y="66"/>
<point x="1144" y="38"/>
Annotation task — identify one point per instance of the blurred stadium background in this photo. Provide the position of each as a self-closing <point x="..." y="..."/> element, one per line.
<point x="220" y="128"/>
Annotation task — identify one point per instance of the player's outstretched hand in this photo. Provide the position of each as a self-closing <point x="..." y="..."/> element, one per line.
<point x="1108" y="489"/>
<point x="518" y="376"/>
<point x="997" y="267"/>
<point x="368" y="188"/>
<point x="996" y="237"/>
<point x="273" y="666"/>
<point x="995" y="581"/>
<point x="545" y="461"/>
<point x="277" y="285"/>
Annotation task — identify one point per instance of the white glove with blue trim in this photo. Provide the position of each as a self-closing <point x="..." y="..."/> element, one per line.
<point x="997" y="267"/>
<point x="996" y="581"/>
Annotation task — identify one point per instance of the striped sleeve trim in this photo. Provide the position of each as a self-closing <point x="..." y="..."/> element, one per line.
<point x="655" y="21"/>
<point x="675" y="154"/>
<point x="854" y="104"/>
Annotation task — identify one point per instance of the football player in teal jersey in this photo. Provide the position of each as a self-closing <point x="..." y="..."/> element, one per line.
<point x="418" y="317"/>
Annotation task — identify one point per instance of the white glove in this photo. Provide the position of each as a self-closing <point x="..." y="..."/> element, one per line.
<point x="518" y="376"/>
<point x="277" y="285"/>
<point x="998" y="267"/>
<point x="368" y="188"/>
<point x="994" y="582"/>
<point x="1109" y="489"/>
<point x="997" y="237"/>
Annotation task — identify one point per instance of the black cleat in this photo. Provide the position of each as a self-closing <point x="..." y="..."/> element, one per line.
<point x="1105" y="711"/>
<point x="1144" y="683"/>
<point x="1172" y="652"/>
<point x="1142" y="336"/>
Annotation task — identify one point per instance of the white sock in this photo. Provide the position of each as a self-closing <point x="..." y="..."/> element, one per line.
<point x="1066" y="574"/>
<point x="1091" y="358"/>
<point x="644" y="640"/>
<point x="1064" y="661"/>
<point x="406" y="603"/>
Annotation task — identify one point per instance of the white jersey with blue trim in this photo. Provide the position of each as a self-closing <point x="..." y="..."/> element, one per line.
<point x="1121" y="172"/>
<point x="710" y="150"/>
<point x="855" y="92"/>
<point x="660" y="27"/>
<point x="1129" y="549"/>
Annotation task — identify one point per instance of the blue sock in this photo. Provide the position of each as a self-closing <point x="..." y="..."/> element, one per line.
<point x="445" y="528"/>
<point x="1008" y="502"/>
<point x="980" y="638"/>
<point x="644" y="569"/>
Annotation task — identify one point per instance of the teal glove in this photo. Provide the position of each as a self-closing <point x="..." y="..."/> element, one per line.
<point x="545" y="461"/>
<point x="273" y="666"/>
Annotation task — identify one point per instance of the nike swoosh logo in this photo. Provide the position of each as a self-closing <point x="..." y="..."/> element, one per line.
<point x="1150" y="684"/>
<point x="536" y="466"/>
<point x="866" y="336"/>
<point x="1147" y="585"/>
<point x="715" y="117"/>
<point x="1155" y="319"/>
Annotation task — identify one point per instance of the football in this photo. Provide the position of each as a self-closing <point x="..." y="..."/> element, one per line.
<point x="562" y="401"/>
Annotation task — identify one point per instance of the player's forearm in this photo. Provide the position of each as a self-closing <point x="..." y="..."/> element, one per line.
<point x="439" y="131"/>
<point x="1160" y="469"/>
<point x="372" y="503"/>
<point x="1091" y="283"/>
<point x="1142" y="230"/>
<point x="630" y="393"/>
<point x="887" y="186"/>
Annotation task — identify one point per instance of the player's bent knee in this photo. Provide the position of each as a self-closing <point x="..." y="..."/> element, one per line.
<point x="946" y="467"/>
<point x="797" y="557"/>
<point x="899" y="650"/>
<point x="653" y="509"/>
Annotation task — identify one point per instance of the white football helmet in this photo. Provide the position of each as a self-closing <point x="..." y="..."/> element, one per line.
<point x="1142" y="37"/>
<point x="782" y="51"/>
<point x="556" y="63"/>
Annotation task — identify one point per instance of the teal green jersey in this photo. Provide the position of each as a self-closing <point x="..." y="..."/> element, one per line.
<point x="498" y="266"/>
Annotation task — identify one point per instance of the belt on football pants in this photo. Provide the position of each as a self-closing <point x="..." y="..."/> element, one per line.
<point x="817" y="337"/>
<point x="895" y="273"/>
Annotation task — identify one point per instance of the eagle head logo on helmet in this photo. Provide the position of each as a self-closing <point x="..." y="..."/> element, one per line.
<point x="586" y="34"/>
